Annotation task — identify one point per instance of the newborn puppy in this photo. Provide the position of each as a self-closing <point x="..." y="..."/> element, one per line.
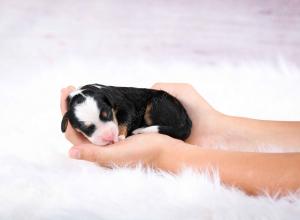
<point x="108" y="114"/>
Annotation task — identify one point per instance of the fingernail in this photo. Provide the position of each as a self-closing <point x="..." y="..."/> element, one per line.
<point x="74" y="153"/>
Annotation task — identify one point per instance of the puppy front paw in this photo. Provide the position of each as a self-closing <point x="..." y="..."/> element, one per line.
<point x="121" y="137"/>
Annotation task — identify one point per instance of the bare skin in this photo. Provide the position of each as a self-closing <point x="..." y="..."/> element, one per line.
<point x="251" y="172"/>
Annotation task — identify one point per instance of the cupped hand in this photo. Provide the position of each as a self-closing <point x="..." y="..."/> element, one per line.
<point x="147" y="149"/>
<point x="143" y="148"/>
<point x="205" y="119"/>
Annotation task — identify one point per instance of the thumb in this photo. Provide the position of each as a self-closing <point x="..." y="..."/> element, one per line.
<point x="90" y="152"/>
<point x="121" y="153"/>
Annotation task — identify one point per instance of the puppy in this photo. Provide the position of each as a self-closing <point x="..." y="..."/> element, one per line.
<point x="108" y="114"/>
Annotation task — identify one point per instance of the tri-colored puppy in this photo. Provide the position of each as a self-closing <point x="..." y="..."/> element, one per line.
<point x="108" y="114"/>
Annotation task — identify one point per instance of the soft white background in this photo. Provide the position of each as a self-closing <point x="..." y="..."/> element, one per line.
<point x="243" y="57"/>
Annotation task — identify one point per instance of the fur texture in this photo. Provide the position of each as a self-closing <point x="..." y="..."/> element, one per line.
<point x="39" y="181"/>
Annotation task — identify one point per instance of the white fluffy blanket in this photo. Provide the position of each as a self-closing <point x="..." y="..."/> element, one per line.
<point x="39" y="181"/>
<point x="48" y="45"/>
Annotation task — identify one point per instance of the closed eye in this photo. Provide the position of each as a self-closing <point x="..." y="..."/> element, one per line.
<point x="90" y="127"/>
<point x="88" y="130"/>
<point x="105" y="115"/>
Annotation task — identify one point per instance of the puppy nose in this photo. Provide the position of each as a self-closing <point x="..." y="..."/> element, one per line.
<point x="108" y="136"/>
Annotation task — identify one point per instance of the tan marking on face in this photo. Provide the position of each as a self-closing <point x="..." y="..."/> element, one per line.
<point x="122" y="127"/>
<point x="147" y="116"/>
<point x="123" y="130"/>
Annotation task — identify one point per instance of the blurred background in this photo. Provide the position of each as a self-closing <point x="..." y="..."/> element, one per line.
<point x="103" y="36"/>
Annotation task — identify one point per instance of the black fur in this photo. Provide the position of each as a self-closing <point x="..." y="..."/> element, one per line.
<point x="130" y="105"/>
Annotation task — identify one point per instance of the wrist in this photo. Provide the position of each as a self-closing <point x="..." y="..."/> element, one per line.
<point x="238" y="133"/>
<point x="172" y="157"/>
<point x="226" y="132"/>
<point x="209" y="129"/>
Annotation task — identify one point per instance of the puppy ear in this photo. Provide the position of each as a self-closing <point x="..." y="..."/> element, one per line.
<point x="109" y="101"/>
<point x="64" y="122"/>
<point x="68" y="101"/>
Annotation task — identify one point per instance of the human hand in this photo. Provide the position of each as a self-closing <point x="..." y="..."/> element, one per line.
<point x="151" y="150"/>
<point x="205" y="131"/>
<point x="205" y="119"/>
<point x="166" y="153"/>
<point x="146" y="149"/>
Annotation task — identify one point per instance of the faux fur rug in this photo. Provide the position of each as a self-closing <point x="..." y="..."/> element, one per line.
<point x="39" y="181"/>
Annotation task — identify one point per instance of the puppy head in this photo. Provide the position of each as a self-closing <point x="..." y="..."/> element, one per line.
<point x="92" y="114"/>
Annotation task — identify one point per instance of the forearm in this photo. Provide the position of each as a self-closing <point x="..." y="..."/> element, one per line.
<point x="252" y="172"/>
<point x="238" y="132"/>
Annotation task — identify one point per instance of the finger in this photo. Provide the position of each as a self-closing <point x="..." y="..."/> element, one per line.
<point x="168" y="87"/>
<point x="75" y="137"/>
<point x="120" y="154"/>
<point x="104" y="156"/>
<point x="84" y="152"/>
<point x="188" y="96"/>
<point x="64" y="94"/>
<point x="161" y="85"/>
<point x="184" y="92"/>
<point x="178" y="90"/>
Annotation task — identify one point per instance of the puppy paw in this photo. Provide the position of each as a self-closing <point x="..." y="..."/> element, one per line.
<point x="138" y="131"/>
<point x="151" y="129"/>
<point x="121" y="137"/>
